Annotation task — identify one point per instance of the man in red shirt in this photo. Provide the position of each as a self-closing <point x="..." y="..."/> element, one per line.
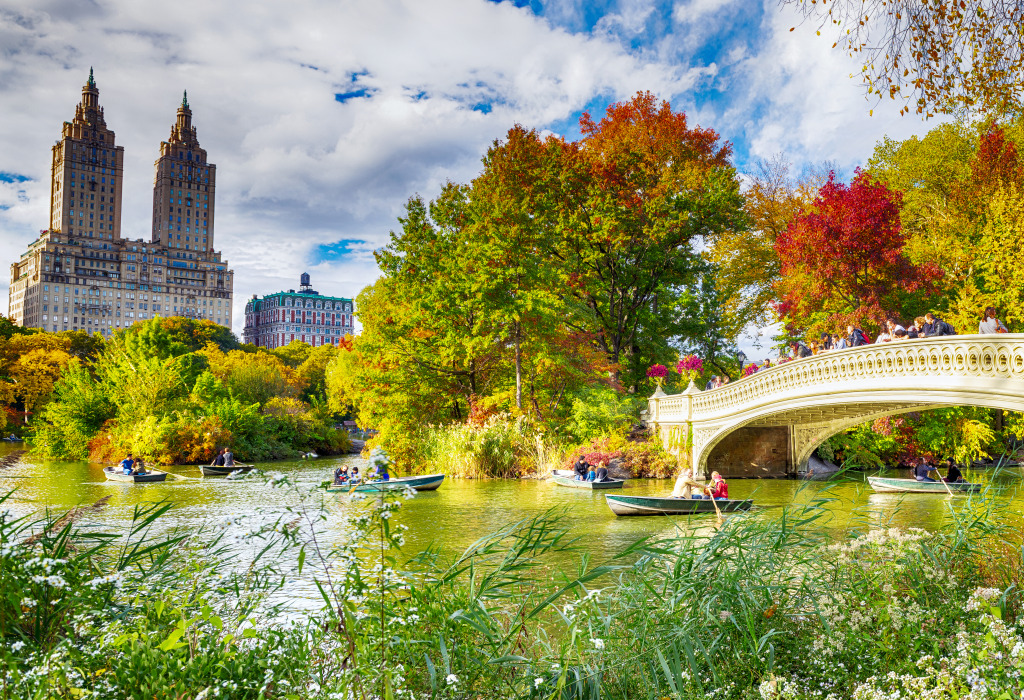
<point x="719" y="489"/>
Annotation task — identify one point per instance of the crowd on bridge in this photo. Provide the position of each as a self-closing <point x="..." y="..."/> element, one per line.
<point x="893" y="331"/>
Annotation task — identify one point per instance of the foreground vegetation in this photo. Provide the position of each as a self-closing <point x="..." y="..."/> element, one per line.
<point x="771" y="606"/>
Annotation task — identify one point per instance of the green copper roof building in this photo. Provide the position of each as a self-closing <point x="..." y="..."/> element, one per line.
<point x="305" y="315"/>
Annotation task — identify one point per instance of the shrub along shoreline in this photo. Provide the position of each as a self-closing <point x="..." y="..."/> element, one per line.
<point x="769" y="606"/>
<point x="174" y="391"/>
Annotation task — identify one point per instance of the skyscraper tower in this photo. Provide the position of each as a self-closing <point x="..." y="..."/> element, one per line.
<point x="183" y="189"/>
<point x="85" y="182"/>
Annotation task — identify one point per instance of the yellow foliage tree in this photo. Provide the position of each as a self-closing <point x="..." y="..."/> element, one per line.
<point x="933" y="56"/>
<point x="746" y="258"/>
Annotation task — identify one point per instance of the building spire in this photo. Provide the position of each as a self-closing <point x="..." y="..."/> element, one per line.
<point x="92" y="80"/>
<point x="184" y="100"/>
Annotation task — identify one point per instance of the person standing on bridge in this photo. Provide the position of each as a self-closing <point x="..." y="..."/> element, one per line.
<point x="990" y="324"/>
<point x="917" y="330"/>
<point x="855" y="337"/>
<point x="933" y="326"/>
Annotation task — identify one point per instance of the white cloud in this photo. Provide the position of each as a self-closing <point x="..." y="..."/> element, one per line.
<point x="296" y="168"/>
<point x="695" y="10"/>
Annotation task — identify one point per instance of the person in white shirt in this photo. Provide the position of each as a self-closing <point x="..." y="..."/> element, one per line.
<point x="990" y="324"/>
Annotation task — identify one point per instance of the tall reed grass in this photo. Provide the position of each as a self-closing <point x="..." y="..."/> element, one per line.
<point x="501" y="447"/>
<point x="765" y="605"/>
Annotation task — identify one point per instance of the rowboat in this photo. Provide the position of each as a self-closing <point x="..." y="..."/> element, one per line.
<point x="564" y="477"/>
<point x="211" y="470"/>
<point x="655" y="505"/>
<point x="884" y="484"/>
<point x="117" y="474"/>
<point x="427" y="482"/>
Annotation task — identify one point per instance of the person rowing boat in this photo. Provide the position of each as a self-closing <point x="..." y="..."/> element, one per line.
<point x="685" y="486"/>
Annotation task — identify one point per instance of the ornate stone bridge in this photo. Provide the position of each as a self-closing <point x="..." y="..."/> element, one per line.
<point x="770" y="423"/>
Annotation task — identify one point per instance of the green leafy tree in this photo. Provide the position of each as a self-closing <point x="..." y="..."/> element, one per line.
<point x="641" y="191"/>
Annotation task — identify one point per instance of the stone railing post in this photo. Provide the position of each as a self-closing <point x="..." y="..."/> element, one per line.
<point x="688" y="446"/>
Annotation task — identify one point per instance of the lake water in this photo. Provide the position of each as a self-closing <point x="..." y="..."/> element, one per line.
<point x="462" y="511"/>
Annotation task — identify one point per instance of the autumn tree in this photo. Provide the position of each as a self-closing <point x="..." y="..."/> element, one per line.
<point x="1001" y="257"/>
<point x="844" y="261"/>
<point x="641" y="190"/>
<point x="511" y="226"/>
<point x="747" y="264"/>
<point x="950" y="179"/>
<point x="933" y="56"/>
<point x="31" y="364"/>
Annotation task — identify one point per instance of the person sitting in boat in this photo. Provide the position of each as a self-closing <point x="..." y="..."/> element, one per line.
<point x="602" y="472"/>
<point x="921" y="471"/>
<point x="218" y="461"/>
<point x="685" y="486"/>
<point x="229" y="457"/>
<point x="953" y="475"/>
<point x="354" y="477"/>
<point x="381" y="472"/>
<point x="341" y="474"/>
<point x="591" y="473"/>
<point x="719" y="490"/>
<point x="580" y="469"/>
<point x="139" y="467"/>
<point x="126" y="464"/>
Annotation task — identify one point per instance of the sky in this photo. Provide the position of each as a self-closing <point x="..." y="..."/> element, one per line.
<point x="324" y="117"/>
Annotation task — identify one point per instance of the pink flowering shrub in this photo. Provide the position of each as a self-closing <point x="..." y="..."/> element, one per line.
<point x="690" y="363"/>
<point x="657" y="371"/>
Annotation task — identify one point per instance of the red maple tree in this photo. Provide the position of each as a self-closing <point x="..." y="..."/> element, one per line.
<point x="843" y="260"/>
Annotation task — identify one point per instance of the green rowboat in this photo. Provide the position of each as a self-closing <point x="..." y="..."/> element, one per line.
<point x="117" y="474"/>
<point x="654" y="505"/>
<point x="427" y="482"/>
<point x="884" y="484"/>
<point x="564" y="477"/>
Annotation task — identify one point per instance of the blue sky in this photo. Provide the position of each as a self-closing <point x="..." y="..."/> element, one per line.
<point x="323" y="119"/>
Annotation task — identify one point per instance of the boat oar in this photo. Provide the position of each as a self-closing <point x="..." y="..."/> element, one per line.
<point x="944" y="483"/>
<point x="718" y="512"/>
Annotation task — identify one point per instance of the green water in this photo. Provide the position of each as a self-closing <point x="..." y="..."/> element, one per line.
<point x="462" y="511"/>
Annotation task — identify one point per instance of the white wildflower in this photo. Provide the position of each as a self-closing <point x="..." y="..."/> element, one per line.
<point x="598" y="644"/>
<point x="451" y="679"/>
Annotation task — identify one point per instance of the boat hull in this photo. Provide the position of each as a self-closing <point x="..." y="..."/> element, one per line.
<point x="428" y="482"/>
<point x="652" y="505"/>
<point x="210" y="470"/>
<point x="563" y="477"/>
<point x="115" y="474"/>
<point x="883" y="484"/>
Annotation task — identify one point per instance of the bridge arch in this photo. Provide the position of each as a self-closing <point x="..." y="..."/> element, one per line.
<point x="817" y="397"/>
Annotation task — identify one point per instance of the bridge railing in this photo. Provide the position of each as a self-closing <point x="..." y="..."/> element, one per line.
<point x="996" y="356"/>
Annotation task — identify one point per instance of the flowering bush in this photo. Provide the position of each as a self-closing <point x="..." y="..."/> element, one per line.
<point x="657" y="371"/>
<point x="643" y="459"/>
<point x="750" y="369"/>
<point x="689" y="367"/>
<point x="690" y="364"/>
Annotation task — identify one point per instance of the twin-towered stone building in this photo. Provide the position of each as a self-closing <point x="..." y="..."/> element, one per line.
<point x="80" y="274"/>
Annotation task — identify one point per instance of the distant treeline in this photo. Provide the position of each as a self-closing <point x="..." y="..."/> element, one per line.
<point x="169" y="390"/>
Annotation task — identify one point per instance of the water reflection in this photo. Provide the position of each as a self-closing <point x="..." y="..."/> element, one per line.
<point x="462" y="511"/>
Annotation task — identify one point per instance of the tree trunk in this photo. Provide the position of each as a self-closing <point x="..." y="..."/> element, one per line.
<point x="519" y="371"/>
